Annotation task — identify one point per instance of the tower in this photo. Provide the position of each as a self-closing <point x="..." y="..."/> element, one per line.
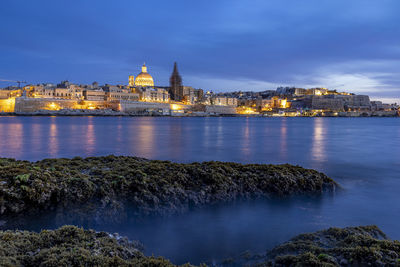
<point x="131" y="80"/>
<point x="176" y="87"/>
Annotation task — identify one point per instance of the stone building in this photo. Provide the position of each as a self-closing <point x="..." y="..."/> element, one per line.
<point x="113" y="92"/>
<point x="224" y="101"/>
<point x="95" y="95"/>
<point x="149" y="94"/>
<point x="328" y="104"/>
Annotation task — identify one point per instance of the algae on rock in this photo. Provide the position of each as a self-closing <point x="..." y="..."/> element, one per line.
<point x="104" y="187"/>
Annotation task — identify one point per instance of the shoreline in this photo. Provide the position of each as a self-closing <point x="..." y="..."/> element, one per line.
<point x="70" y="245"/>
<point x="187" y="115"/>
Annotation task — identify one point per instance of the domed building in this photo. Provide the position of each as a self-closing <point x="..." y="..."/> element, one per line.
<point x="144" y="79"/>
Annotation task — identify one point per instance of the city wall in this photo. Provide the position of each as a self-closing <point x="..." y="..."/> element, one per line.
<point x="137" y="106"/>
<point x="228" y="110"/>
<point x="35" y="104"/>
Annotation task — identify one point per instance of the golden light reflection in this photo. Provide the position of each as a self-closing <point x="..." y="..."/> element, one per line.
<point x="36" y="136"/>
<point x="246" y="139"/>
<point x="284" y="135"/>
<point x="15" y="138"/>
<point x="53" y="138"/>
<point x="318" y="143"/>
<point x="145" y="139"/>
<point x="90" y="137"/>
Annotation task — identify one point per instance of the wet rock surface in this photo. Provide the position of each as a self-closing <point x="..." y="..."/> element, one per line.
<point x="351" y="246"/>
<point x="71" y="246"/>
<point x="111" y="189"/>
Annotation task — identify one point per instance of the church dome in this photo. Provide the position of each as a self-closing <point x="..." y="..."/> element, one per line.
<point x="144" y="79"/>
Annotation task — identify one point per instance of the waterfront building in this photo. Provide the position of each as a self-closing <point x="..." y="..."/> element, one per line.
<point x="113" y="92"/>
<point x="224" y="101"/>
<point x="176" y="87"/>
<point x="94" y="95"/>
<point x="144" y="79"/>
<point x="150" y="94"/>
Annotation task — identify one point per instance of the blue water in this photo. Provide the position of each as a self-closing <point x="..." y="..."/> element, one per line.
<point x="362" y="154"/>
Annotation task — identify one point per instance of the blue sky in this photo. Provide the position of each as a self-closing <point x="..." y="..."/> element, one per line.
<point x="351" y="45"/>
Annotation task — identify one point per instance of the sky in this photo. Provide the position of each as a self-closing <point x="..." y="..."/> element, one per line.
<point x="220" y="45"/>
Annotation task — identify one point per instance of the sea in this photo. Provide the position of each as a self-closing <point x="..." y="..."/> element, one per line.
<point x="361" y="154"/>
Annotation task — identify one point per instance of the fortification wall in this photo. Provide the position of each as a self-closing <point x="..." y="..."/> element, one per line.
<point x="135" y="106"/>
<point x="228" y="110"/>
<point x="35" y="104"/>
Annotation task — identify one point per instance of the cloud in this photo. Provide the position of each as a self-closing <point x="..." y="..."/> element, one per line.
<point x="221" y="45"/>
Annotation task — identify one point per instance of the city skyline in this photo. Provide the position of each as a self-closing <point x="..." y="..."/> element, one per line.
<point x="222" y="46"/>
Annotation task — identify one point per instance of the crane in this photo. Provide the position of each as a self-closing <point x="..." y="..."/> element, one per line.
<point x="18" y="82"/>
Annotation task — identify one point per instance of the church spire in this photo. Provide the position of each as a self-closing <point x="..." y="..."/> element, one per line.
<point x="176" y="87"/>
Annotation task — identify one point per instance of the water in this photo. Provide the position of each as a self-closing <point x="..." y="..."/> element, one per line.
<point x="362" y="154"/>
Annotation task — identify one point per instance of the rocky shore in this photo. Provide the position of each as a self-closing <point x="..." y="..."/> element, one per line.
<point x="72" y="246"/>
<point x="351" y="246"/>
<point x="111" y="189"/>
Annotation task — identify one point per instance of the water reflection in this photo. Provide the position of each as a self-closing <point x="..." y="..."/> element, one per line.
<point x="318" y="142"/>
<point x="362" y="154"/>
<point x="144" y="144"/>
<point x="176" y="142"/>
<point x="283" y="139"/>
<point x="246" y="149"/>
<point x="90" y="138"/>
<point x="53" y="138"/>
<point x="36" y="136"/>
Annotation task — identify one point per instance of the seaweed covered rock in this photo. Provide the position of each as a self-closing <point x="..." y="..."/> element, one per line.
<point x="351" y="246"/>
<point x="103" y="187"/>
<point x="71" y="246"/>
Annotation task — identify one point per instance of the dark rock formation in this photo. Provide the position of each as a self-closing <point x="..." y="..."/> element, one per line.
<point x="351" y="246"/>
<point x="71" y="246"/>
<point x="113" y="188"/>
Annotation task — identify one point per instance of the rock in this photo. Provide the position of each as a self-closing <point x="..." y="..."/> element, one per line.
<point x="351" y="246"/>
<point x="102" y="187"/>
<point x="71" y="246"/>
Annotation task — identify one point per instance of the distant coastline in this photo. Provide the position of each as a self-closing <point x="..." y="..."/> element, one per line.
<point x="112" y="113"/>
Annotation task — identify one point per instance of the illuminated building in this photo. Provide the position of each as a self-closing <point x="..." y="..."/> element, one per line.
<point x="144" y="79"/>
<point x="175" y="82"/>
<point x="154" y="95"/>
<point x="97" y="95"/>
<point x="224" y="101"/>
<point x="113" y="93"/>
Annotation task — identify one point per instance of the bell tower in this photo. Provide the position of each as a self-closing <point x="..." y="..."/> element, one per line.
<point x="176" y="87"/>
